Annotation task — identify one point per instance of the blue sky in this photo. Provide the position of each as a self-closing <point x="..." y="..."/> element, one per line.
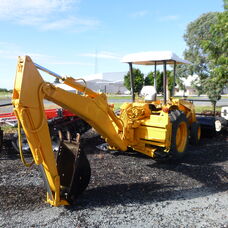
<point x="66" y="35"/>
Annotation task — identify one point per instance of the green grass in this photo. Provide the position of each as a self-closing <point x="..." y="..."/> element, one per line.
<point x="115" y="97"/>
<point x="198" y="108"/>
<point x="119" y="97"/>
<point x="206" y="108"/>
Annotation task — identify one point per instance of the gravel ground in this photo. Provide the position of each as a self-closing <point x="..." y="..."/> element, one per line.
<point x="126" y="190"/>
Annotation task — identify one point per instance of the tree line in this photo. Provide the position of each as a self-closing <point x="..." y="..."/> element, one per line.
<point x="6" y="90"/>
<point x="140" y="80"/>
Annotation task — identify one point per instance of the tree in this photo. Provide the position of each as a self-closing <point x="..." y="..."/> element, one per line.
<point x="197" y="31"/>
<point x="216" y="48"/>
<point x="225" y="4"/>
<point x="206" y="38"/>
<point x="3" y="90"/>
<point x="138" y="80"/>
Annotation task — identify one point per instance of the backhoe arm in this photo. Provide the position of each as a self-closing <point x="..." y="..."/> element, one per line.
<point x="29" y="92"/>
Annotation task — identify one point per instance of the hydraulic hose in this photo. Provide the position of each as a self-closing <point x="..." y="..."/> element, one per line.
<point x="20" y="147"/>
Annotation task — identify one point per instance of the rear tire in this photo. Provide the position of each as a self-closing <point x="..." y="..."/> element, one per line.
<point x="180" y="134"/>
<point x="195" y="133"/>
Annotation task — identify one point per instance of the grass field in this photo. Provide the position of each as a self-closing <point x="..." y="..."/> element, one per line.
<point x="119" y="97"/>
<point x="198" y="108"/>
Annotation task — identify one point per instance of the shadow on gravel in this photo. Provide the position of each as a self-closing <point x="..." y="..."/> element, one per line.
<point x="137" y="193"/>
<point x="206" y="163"/>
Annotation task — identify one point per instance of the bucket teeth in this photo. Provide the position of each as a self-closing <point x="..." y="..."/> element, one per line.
<point x="73" y="168"/>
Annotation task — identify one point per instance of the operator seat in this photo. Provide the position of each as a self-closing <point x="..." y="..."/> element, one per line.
<point x="149" y="93"/>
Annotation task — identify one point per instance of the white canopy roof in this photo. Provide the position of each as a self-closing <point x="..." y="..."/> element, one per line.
<point x="149" y="58"/>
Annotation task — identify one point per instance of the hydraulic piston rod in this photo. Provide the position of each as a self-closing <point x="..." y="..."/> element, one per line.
<point x="48" y="71"/>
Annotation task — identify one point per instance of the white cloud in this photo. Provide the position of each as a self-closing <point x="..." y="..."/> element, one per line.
<point x="140" y="13"/>
<point x="14" y="9"/>
<point x="72" y="22"/>
<point x="102" y="55"/>
<point x="45" y="14"/>
<point x="169" y="18"/>
<point x="11" y="51"/>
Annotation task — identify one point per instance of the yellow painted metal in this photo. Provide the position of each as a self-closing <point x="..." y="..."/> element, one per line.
<point x="138" y="126"/>
<point x="95" y="111"/>
<point x="155" y="131"/>
<point x="145" y="130"/>
<point x="28" y="106"/>
<point x="185" y="106"/>
<point x="28" y="94"/>
<point x="146" y="149"/>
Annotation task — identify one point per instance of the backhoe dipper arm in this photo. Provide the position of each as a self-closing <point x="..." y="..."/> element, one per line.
<point x="28" y="94"/>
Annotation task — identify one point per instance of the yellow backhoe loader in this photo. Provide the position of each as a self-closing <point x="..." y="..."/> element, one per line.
<point x="152" y="127"/>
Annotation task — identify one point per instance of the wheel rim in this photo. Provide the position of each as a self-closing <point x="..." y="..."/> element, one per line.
<point x="181" y="137"/>
<point x="218" y="125"/>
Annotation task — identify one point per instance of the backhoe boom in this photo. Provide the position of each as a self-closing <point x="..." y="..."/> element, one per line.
<point x="29" y="92"/>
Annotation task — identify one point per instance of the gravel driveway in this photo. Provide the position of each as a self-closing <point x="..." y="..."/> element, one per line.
<point x="126" y="190"/>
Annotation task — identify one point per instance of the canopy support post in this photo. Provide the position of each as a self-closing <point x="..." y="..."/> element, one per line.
<point x="155" y="75"/>
<point x="174" y="78"/>
<point x="164" y="82"/>
<point x="132" y="82"/>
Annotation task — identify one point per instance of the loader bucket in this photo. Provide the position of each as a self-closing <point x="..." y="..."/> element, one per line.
<point x="74" y="170"/>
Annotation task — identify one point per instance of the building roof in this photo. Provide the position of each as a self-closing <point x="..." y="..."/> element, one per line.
<point x="109" y="76"/>
<point x="152" y="57"/>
